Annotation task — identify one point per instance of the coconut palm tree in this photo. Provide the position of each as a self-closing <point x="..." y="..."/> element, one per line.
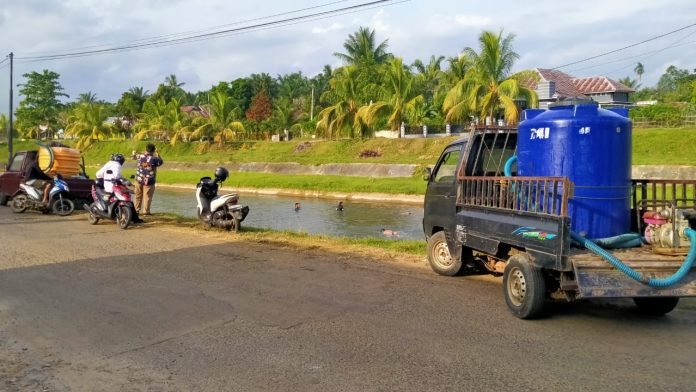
<point x="222" y="123"/>
<point x="630" y="83"/>
<point x="429" y="75"/>
<point x="88" y="97"/>
<point x="153" y="122"/>
<point x="488" y="85"/>
<point x="87" y="122"/>
<point x="398" y="97"/>
<point x="361" y="49"/>
<point x="639" y="70"/>
<point x="341" y="117"/>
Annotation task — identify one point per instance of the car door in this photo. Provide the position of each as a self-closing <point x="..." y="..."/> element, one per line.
<point x="441" y="194"/>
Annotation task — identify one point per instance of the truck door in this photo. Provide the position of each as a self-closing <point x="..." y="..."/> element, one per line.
<point x="441" y="194"/>
<point x="14" y="174"/>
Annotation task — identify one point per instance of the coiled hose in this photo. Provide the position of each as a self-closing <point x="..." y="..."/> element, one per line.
<point x="637" y="276"/>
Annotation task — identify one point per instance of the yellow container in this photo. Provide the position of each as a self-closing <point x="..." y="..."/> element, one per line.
<point x="63" y="160"/>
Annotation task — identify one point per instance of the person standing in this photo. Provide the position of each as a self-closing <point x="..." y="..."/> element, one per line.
<point x="145" y="178"/>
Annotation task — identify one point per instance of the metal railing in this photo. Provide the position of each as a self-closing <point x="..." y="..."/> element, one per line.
<point x="539" y="195"/>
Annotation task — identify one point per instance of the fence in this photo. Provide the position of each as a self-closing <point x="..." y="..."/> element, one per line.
<point x="682" y="121"/>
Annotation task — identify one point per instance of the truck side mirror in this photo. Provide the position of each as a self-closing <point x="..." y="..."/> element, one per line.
<point x="427" y="174"/>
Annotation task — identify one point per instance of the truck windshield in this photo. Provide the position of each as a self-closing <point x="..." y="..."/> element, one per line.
<point x="444" y="173"/>
<point x="16" y="164"/>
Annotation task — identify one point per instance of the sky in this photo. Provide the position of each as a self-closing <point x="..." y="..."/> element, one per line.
<point x="548" y="34"/>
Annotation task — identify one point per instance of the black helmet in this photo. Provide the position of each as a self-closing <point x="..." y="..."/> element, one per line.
<point x="118" y="158"/>
<point x="221" y="174"/>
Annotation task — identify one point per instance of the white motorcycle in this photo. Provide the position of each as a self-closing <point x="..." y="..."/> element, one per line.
<point x="219" y="211"/>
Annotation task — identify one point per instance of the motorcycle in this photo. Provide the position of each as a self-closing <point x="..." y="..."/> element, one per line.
<point x="29" y="197"/>
<point x="219" y="211"/>
<point x="116" y="206"/>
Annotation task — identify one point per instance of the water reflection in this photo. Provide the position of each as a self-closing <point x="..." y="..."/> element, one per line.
<point x="317" y="216"/>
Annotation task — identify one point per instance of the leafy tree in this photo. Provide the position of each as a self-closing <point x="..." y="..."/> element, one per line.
<point x="40" y="105"/>
<point x="260" y="108"/>
<point x="487" y="86"/>
<point x="170" y="89"/>
<point x="263" y="81"/>
<point x="221" y="123"/>
<point x="241" y="94"/>
<point x="675" y="85"/>
<point x="87" y="123"/>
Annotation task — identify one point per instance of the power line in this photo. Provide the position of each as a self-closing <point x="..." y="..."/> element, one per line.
<point x="211" y="35"/>
<point x="626" y="47"/>
<point x="160" y="37"/>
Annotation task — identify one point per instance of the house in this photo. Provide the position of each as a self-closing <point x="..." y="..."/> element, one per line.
<point x="194" y="110"/>
<point x="555" y="85"/>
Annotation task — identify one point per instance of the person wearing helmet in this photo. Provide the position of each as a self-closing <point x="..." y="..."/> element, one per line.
<point x="145" y="177"/>
<point x="111" y="171"/>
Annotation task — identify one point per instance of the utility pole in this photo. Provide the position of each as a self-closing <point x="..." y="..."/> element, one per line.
<point x="9" y="129"/>
<point x="311" y="108"/>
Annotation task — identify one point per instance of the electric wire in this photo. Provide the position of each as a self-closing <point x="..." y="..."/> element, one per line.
<point x="216" y="34"/>
<point x="626" y="47"/>
<point x="160" y="37"/>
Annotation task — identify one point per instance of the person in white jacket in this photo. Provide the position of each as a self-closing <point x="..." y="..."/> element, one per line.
<point x="111" y="171"/>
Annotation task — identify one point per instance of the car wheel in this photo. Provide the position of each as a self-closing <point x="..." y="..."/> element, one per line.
<point x="439" y="256"/>
<point x="524" y="287"/>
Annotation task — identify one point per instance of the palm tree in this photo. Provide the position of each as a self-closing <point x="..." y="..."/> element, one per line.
<point x="639" y="70"/>
<point x="398" y="97"/>
<point x="88" y="97"/>
<point x="222" y="123"/>
<point x="630" y="83"/>
<point x="429" y="75"/>
<point x="341" y="117"/>
<point x="361" y="49"/>
<point x="171" y="81"/>
<point x="488" y="85"/>
<point x="153" y="121"/>
<point x="87" y="122"/>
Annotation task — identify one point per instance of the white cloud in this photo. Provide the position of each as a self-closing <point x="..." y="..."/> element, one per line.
<point x="473" y="20"/>
<point x="331" y="27"/>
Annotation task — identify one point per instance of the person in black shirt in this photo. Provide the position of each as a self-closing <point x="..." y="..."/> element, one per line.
<point x="41" y="180"/>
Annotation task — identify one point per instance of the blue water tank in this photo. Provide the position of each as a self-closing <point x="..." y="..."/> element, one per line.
<point x="592" y="147"/>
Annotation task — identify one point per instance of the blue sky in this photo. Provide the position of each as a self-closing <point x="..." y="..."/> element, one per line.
<point x="548" y="34"/>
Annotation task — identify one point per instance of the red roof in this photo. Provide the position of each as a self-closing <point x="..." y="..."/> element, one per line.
<point x="600" y="84"/>
<point x="568" y="86"/>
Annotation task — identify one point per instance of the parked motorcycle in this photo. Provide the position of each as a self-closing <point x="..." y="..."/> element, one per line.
<point x="219" y="211"/>
<point x="116" y="206"/>
<point x="29" y="197"/>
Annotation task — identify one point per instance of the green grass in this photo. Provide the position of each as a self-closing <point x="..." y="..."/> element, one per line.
<point x="399" y="185"/>
<point x="663" y="146"/>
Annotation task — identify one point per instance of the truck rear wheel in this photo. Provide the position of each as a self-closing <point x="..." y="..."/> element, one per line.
<point x="656" y="306"/>
<point x="439" y="256"/>
<point x="524" y="287"/>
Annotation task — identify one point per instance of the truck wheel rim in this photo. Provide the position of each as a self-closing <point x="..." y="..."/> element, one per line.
<point x="517" y="287"/>
<point x="442" y="254"/>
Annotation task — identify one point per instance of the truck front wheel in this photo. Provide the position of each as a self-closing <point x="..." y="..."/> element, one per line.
<point x="524" y="287"/>
<point x="439" y="256"/>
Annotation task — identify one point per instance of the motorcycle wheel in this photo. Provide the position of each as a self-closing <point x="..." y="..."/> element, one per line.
<point x="62" y="206"/>
<point x="92" y="218"/>
<point x="235" y="224"/>
<point x="124" y="216"/>
<point x="19" y="203"/>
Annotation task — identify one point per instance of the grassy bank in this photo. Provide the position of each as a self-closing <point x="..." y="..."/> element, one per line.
<point x="388" y="247"/>
<point x="400" y="185"/>
<point x="655" y="146"/>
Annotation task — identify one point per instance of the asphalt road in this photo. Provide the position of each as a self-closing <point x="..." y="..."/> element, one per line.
<point x="95" y="308"/>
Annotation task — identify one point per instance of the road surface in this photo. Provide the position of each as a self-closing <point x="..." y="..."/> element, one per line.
<point x="164" y="308"/>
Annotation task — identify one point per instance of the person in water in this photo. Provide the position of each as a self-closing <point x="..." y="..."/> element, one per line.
<point x="339" y="207"/>
<point x="297" y="207"/>
<point x="389" y="233"/>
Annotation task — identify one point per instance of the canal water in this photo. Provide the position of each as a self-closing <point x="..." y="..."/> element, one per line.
<point x="316" y="216"/>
